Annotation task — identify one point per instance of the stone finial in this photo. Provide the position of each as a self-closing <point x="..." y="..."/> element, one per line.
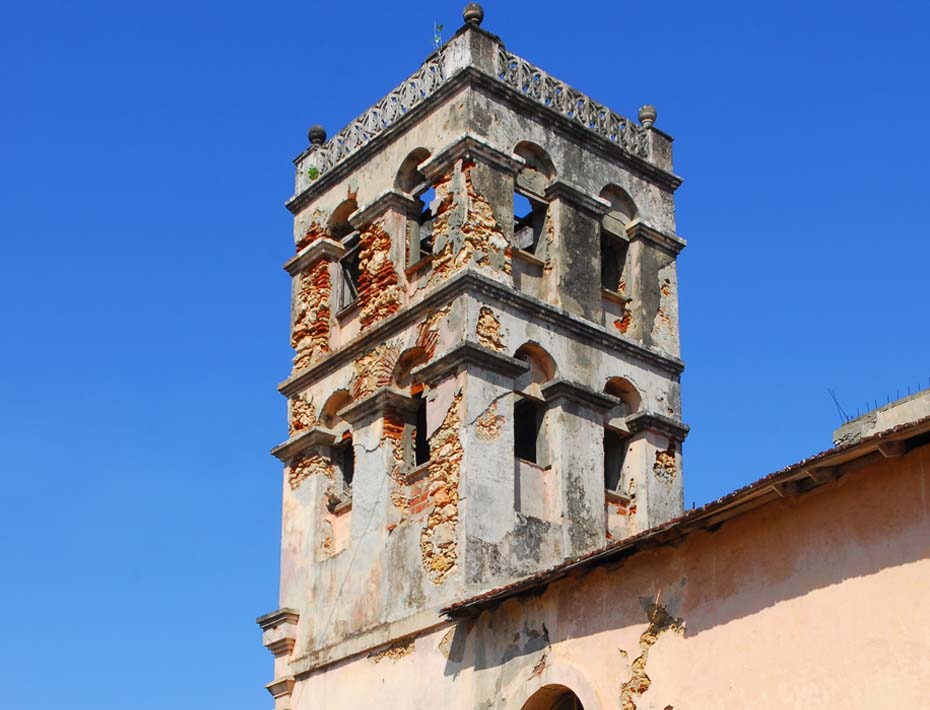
<point x="317" y="135"/>
<point x="647" y="115"/>
<point x="473" y="14"/>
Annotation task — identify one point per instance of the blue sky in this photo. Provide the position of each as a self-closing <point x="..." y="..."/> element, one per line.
<point x="146" y="153"/>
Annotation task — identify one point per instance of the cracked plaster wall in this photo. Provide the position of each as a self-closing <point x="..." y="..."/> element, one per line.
<point x="805" y="603"/>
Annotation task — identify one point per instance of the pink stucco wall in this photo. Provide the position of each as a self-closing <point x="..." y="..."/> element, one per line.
<point x="817" y="601"/>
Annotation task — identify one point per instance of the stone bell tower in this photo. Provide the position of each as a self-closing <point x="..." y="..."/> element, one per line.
<point x="486" y="372"/>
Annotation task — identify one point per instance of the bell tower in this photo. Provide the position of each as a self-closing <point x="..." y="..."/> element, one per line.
<point x="485" y="326"/>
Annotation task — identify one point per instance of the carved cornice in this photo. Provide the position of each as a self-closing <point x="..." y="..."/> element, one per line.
<point x="471" y="281"/>
<point x="570" y="103"/>
<point x="578" y="198"/>
<point x="388" y="200"/>
<point x="575" y="392"/>
<point x="277" y="618"/>
<point x="468" y="354"/>
<point x="639" y="230"/>
<point x="281" y="687"/>
<point x="312" y="438"/>
<point x="375" y="404"/>
<point x="650" y="421"/>
<point x="323" y="248"/>
<point x="469" y="146"/>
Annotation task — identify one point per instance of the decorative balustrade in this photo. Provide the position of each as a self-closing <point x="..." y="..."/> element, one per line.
<point x="529" y="80"/>
<point x="533" y="82"/>
<point x="416" y="89"/>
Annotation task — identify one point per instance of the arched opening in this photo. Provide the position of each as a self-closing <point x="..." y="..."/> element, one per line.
<point x="420" y="226"/>
<point x="408" y="360"/>
<point x="337" y="401"/>
<point x="416" y="440"/>
<point x="342" y="454"/>
<point x="529" y="410"/>
<point x="529" y="205"/>
<point x="542" y="368"/>
<point x="409" y="178"/>
<point x="616" y="436"/>
<point x="537" y="161"/>
<point x="553" y="697"/>
<point x="614" y="244"/>
<point x="628" y="395"/>
<point x="339" y="229"/>
<point x="339" y="226"/>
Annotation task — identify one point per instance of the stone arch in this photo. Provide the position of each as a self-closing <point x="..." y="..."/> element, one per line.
<point x="626" y="392"/>
<point x="409" y="178"/>
<point x="553" y="697"/>
<point x="542" y="367"/>
<point x="529" y="681"/>
<point x="337" y="401"/>
<point x="529" y="198"/>
<point x="622" y="207"/>
<point x="339" y="226"/>
<point x="408" y="360"/>
<point x="537" y="159"/>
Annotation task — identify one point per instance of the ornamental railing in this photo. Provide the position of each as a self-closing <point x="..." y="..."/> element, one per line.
<point x="534" y="83"/>
<point x="416" y="89"/>
<point x="516" y="72"/>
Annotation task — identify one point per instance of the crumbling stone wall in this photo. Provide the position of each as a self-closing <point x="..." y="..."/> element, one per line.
<point x="438" y="544"/>
<point x="489" y="331"/>
<point x="302" y="415"/>
<point x="375" y="369"/>
<point x="666" y="465"/>
<point x="310" y="228"/>
<point x="490" y="424"/>
<point x="307" y="465"/>
<point x="465" y="230"/>
<point x="379" y="291"/>
<point x="312" y="316"/>
<point x="428" y="331"/>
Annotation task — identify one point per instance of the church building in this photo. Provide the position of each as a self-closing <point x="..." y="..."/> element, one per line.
<point x="482" y="489"/>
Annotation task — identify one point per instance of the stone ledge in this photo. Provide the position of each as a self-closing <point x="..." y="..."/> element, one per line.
<point x="470" y="281"/>
<point x="376" y="403"/>
<point x="672" y="243"/>
<point x="281" y="687"/>
<point x="469" y="146"/>
<point x="575" y="392"/>
<point x="317" y="436"/>
<point x="322" y="248"/>
<point x="465" y="354"/>
<point x="387" y="200"/>
<point x="650" y="421"/>
<point x="575" y="196"/>
<point x="278" y="618"/>
<point x="417" y="625"/>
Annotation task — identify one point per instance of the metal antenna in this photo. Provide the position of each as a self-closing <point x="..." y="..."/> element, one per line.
<point x="843" y="416"/>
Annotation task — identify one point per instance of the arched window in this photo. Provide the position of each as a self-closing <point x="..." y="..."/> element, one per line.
<point x="553" y="697"/>
<point x="339" y="226"/>
<point x="340" y="230"/>
<point x="616" y="437"/>
<point x="342" y="454"/>
<point x="529" y="205"/>
<point x="529" y="408"/>
<point x="416" y="441"/>
<point x="420" y="227"/>
<point x="409" y="179"/>
<point x="614" y="243"/>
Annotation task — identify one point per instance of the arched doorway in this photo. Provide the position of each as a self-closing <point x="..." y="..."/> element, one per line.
<point x="553" y="697"/>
